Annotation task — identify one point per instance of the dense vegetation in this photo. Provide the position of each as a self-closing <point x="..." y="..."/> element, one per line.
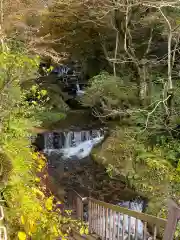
<point x="28" y="205"/>
<point x="130" y="50"/>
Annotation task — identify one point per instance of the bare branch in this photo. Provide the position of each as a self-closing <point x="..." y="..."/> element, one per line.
<point x="154" y="109"/>
<point x="115" y="54"/>
<point x="149" y="42"/>
<point x="169" y="49"/>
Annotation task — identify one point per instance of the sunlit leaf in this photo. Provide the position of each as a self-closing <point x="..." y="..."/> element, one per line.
<point x="86" y="231"/>
<point x="49" y="203"/>
<point x="22" y="236"/>
<point x="82" y="230"/>
<point x="22" y="220"/>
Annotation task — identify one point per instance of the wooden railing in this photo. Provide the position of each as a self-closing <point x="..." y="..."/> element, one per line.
<point x="76" y="203"/>
<point x="113" y="222"/>
<point x="3" y="231"/>
<point x="172" y="221"/>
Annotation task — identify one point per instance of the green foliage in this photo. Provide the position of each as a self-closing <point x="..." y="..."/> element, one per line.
<point x="110" y="94"/>
<point x="30" y="212"/>
<point x="141" y="152"/>
<point x="38" y="100"/>
<point x="37" y="96"/>
<point x="50" y="117"/>
<point x="147" y="170"/>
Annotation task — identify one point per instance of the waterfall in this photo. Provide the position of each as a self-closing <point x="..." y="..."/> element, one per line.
<point x="79" y="92"/>
<point x="72" y="144"/>
<point x="48" y="141"/>
<point x="78" y="87"/>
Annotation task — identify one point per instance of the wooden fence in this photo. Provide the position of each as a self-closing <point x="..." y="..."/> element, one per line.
<point x="172" y="221"/>
<point x="76" y="203"/>
<point x="115" y="222"/>
<point x="3" y="231"/>
<point x="112" y="222"/>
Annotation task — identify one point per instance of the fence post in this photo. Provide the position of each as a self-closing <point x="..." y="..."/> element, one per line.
<point x="80" y="207"/>
<point x="173" y="217"/>
<point x="90" y="215"/>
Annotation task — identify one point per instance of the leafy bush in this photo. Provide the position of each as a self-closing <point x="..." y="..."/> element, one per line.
<point x="149" y="171"/>
<point x="110" y="94"/>
<point x="30" y="212"/>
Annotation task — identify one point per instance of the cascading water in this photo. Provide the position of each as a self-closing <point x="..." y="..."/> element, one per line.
<point x="72" y="145"/>
<point x="79" y="91"/>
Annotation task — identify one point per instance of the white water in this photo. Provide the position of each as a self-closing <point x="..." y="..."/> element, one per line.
<point x="79" y="92"/>
<point x="72" y="145"/>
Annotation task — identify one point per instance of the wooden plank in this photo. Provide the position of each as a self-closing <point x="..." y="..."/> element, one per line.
<point x="155" y="233"/>
<point x="129" y="228"/>
<point x="173" y="216"/>
<point x="106" y="224"/>
<point x="93" y="216"/>
<point x="136" y="229"/>
<point x="145" y="231"/>
<point x="118" y="224"/>
<point x="101" y="221"/>
<point x="98" y="220"/>
<point x="114" y="225"/>
<point x="110" y="224"/>
<point x="90" y="216"/>
<point x="142" y="216"/>
<point x="123" y="227"/>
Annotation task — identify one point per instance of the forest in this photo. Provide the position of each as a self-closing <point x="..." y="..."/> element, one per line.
<point x="128" y="53"/>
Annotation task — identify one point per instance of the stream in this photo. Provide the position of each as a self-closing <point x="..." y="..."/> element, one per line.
<point x="70" y="165"/>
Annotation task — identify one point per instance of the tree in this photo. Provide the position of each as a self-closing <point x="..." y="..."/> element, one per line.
<point x="143" y="94"/>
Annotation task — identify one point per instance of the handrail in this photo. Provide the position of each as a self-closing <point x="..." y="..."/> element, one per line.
<point x="108" y="220"/>
<point x="139" y="215"/>
<point x="77" y="202"/>
<point x="160" y="222"/>
<point x="5" y="233"/>
<point x="77" y="194"/>
<point x="1" y="213"/>
<point x="3" y="230"/>
<point x="173" y="218"/>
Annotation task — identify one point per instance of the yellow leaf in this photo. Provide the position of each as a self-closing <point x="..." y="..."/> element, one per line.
<point x="81" y="231"/>
<point x="22" y="236"/>
<point x="37" y="179"/>
<point x="32" y="226"/>
<point x="55" y="230"/>
<point x="49" y="203"/>
<point x="43" y="92"/>
<point x="86" y="231"/>
<point x="22" y="220"/>
<point x="37" y="191"/>
<point x="41" y="162"/>
<point x="40" y="208"/>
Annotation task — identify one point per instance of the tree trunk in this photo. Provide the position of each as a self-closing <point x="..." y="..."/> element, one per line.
<point x="144" y="85"/>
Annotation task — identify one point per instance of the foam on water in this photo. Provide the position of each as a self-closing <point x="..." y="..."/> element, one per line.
<point x="79" y="92"/>
<point x="72" y="145"/>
